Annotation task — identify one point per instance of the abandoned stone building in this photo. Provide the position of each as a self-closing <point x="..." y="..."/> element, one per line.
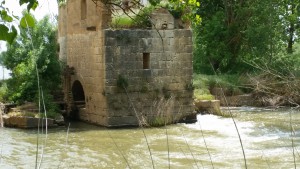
<point x="119" y="77"/>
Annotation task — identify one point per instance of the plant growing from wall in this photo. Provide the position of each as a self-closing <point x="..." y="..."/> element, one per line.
<point x="122" y="82"/>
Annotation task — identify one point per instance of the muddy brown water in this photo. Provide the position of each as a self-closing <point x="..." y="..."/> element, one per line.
<point x="268" y="137"/>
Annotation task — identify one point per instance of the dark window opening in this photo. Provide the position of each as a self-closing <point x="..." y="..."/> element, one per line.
<point x="146" y="60"/>
<point x="91" y="28"/>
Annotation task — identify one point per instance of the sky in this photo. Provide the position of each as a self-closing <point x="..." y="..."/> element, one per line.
<point x="45" y="7"/>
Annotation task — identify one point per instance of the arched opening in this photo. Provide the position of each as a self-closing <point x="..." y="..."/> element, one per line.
<point x="78" y="98"/>
<point x="78" y="93"/>
<point x="83" y="9"/>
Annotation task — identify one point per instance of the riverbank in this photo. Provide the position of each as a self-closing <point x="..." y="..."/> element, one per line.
<point x="26" y="116"/>
<point x="259" y="90"/>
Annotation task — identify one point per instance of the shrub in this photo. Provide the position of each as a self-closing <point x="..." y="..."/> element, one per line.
<point x="3" y="91"/>
<point x="122" y="22"/>
<point x="142" y="19"/>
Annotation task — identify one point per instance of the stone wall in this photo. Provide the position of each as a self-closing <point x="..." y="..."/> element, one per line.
<point x="81" y="43"/>
<point x="168" y="75"/>
<point x="156" y="65"/>
<point x="86" y="57"/>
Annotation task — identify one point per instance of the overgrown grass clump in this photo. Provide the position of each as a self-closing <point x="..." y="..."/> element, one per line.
<point x="122" y="22"/>
<point x="205" y="85"/>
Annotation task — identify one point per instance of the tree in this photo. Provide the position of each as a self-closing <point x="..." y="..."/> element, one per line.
<point x="34" y="49"/>
<point x="234" y="32"/>
<point x="291" y="20"/>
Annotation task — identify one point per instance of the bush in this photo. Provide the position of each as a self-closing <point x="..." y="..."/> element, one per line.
<point x="3" y="91"/>
<point x="122" y="22"/>
<point x="142" y="19"/>
<point x="230" y="84"/>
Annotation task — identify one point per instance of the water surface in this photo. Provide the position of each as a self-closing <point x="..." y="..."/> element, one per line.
<point x="268" y="137"/>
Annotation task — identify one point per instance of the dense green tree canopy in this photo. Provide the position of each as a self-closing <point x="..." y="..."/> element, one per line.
<point x="235" y="32"/>
<point x="34" y="49"/>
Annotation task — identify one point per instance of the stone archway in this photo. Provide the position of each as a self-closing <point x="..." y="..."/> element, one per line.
<point x="78" y="94"/>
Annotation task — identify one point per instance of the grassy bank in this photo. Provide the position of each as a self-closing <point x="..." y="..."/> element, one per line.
<point x="268" y="88"/>
<point x="204" y="85"/>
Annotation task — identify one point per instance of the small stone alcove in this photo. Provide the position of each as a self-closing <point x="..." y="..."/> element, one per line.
<point x="83" y="9"/>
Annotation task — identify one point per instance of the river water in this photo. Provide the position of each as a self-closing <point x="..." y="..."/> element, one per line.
<point x="271" y="139"/>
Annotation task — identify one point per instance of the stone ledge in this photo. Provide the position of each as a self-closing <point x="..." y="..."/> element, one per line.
<point x="208" y="106"/>
<point x="26" y="122"/>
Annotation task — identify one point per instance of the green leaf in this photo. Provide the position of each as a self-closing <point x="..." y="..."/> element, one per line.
<point x="12" y="35"/>
<point x="5" y="16"/>
<point x="7" y="36"/>
<point x="31" y="4"/>
<point x="3" y="32"/>
<point x="27" y="21"/>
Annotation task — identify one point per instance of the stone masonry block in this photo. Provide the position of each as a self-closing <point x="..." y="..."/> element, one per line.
<point x="154" y="34"/>
<point x="182" y="33"/>
<point x="122" y="121"/>
<point x="110" y="41"/>
<point x="144" y="33"/>
<point x="108" y="59"/>
<point x="169" y="33"/>
<point x="188" y="48"/>
<point x="109" y="33"/>
<point x="109" y="50"/>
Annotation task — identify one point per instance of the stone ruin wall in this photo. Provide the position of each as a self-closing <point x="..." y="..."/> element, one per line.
<point x="100" y="55"/>
<point x="81" y="42"/>
<point x="169" y="75"/>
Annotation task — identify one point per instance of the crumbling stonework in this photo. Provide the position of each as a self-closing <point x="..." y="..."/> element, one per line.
<point x="115" y="77"/>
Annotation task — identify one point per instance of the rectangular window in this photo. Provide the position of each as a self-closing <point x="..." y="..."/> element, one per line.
<point x="146" y="60"/>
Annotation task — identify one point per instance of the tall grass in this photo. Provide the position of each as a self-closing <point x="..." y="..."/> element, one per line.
<point x="121" y="22"/>
<point x="40" y="97"/>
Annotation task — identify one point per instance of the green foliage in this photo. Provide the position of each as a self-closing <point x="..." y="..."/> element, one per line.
<point x="27" y="21"/>
<point x="34" y="50"/>
<point x="7" y="35"/>
<point x="122" y="82"/>
<point x="142" y="19"/>
<point x="200" y="94"/>
<point x="61" y="2"/>
<point x="230" y="84"/>
<point x="121" y="22"/>
<point x="31" y="4"/>
<point x="180" y="9"/>
<point x="8" y="32"/>
<point x="3" y="91"/>
<point x="234" y="33"/>
<point x="52" y="109"/>
<point x="185" y="10"/>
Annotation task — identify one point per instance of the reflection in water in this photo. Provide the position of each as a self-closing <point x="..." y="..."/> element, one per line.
<point x="266" y="137"/>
